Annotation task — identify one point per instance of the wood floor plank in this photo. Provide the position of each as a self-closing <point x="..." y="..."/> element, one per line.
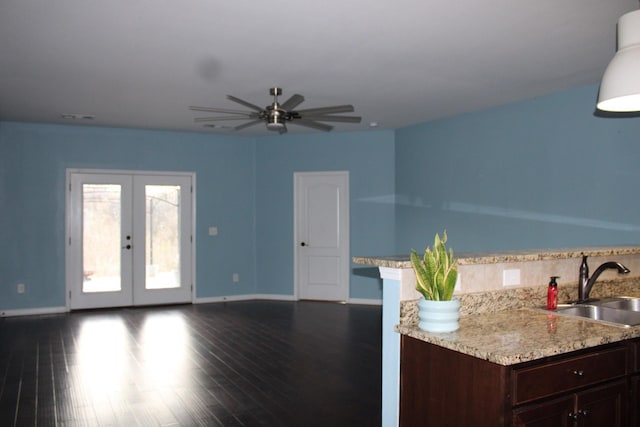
<point x="252" y="363"/>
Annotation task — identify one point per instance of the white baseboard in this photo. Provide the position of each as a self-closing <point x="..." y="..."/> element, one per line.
<point x="248" y="297"/>
<point x="33" y="311"/>
<point x="273" y="297"/>
<point x="364" y="301"/>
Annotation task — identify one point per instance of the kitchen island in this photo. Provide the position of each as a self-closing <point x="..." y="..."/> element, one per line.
<point x="499" y="326"/>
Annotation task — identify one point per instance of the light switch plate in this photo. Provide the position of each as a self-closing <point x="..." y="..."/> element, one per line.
<point x="213" y="231"/>
<point x="511" y="277"/>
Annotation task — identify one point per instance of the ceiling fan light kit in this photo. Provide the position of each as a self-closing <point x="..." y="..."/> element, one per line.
<point x="276" y="115"/>
<point x="274" y="121"/>
<point x="620" y="86"/>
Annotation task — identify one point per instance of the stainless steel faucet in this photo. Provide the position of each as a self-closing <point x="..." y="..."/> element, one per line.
<point x="585" y="283"/>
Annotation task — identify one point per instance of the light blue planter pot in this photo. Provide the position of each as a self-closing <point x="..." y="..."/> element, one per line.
<point x="438" y="316"/>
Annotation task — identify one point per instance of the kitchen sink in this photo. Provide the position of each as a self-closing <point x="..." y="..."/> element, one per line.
<point x="621" y="303"/>
<point x="602" y="313"/>
<point x="619" y="311"/>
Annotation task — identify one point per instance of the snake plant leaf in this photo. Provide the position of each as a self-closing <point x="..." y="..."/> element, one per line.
<point x="451" y="276"/>
<point x="450" y="284"/>
<point x="422" y="278"/>
<point x="441" y="274"/>
<point x="431" y="267"/>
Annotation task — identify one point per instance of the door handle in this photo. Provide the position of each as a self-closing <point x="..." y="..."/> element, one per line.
<point x="303" y="244"/>
<point x="126" y="247"/>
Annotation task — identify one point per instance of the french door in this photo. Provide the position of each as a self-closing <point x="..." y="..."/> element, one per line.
<point x="129" y="239"/>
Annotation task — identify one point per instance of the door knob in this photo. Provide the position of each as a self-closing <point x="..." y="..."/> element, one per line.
<point x="126" y="247"/>
<point x="303" y="244"/>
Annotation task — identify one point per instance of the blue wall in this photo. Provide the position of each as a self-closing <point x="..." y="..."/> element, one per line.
<point x="230" y="178"/>
<point x="543" y="173"/>
<point x="540" y="173"/>
<point x="368" y="156"/>
<point x="33" y="160"/>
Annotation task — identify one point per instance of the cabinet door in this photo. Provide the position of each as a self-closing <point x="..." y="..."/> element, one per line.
<point x="603" y="406"/>
<point x="596" y="407"/>
<point x="634" y="400"/>
<point x="555" y="413"/>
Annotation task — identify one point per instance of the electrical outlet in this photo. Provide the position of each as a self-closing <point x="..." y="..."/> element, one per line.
<point x="21" y="288"/>
<point x="511" y="277"/>
<point x="236" y="278"/>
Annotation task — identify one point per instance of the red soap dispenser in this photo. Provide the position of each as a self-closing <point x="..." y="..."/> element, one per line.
<point x="552" y="294"/>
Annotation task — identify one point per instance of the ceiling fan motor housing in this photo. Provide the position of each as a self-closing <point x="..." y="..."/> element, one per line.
<point x="275" y="118"/>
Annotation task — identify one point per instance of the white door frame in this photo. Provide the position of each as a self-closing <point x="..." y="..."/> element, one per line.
<point x="70" y="220"/>
<point x="346" y="261"/>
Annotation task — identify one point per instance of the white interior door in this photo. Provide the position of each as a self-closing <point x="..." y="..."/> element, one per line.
<point x="129" y="239"/>
<point x="322" y="235"/>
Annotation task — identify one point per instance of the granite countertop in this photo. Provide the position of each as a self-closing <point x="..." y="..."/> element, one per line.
<point x="402" y="261"/>
<point x="515" y="336"/>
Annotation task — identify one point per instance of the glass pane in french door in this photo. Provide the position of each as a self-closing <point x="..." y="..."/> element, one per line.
<point x="162" y="240"/>
<point x="101" y="245"/>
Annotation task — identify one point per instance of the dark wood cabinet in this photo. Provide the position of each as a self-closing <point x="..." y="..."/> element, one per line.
<point x="557" y="412"/>
<point x="634" y="400"/>
<point x="597" y="406"/>
<point x="634" y="382"/>
<point x="441" y="387"/>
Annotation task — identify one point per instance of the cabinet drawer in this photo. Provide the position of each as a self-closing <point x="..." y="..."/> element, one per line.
<point x="563" y="375"/>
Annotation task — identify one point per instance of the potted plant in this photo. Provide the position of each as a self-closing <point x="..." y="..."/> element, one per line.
<point x="436" y="275"/>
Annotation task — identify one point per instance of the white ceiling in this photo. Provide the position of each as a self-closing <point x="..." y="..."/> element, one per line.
<point x="141" y="63"/>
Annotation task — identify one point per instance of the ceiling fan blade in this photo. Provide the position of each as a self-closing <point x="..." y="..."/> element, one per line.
<point x="245" y="103"/>
<point x="341" y="119"/>
<point x="220" y="110"/>
<point x="313" y="125"/>
<point x="326" y="110"/>
<point x="292" y="102"/>
<point x="220" y="119"/>
<point x="246" y="125"/>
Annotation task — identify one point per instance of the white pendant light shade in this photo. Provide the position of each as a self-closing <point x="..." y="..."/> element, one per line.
<point x="620" y="86"/>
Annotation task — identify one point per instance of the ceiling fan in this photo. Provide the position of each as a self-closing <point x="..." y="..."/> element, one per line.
<point x="278" y="114"/>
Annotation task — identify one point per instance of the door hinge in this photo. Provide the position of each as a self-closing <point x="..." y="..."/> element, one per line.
<point x="69" y="294"/>
<point x="69" y="187"/>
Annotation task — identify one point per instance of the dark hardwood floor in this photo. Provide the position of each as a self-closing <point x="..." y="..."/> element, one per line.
<point x="267" y="363"/>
